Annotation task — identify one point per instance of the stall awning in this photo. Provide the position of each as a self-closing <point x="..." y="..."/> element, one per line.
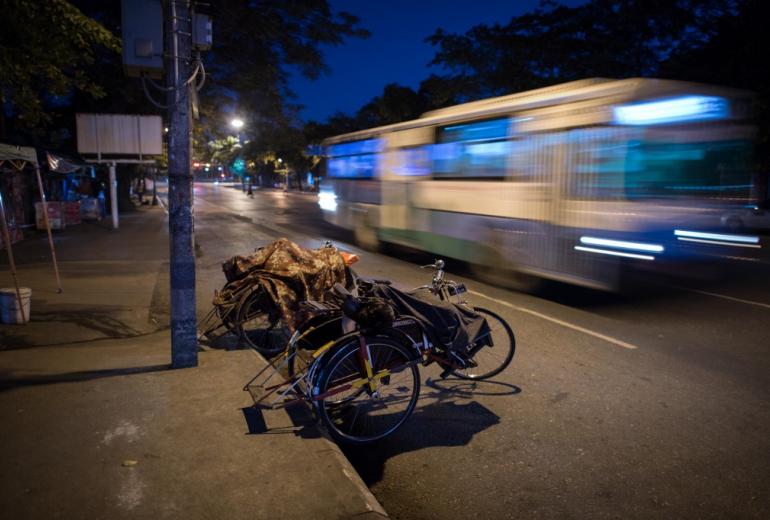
<point x="60" y="164"/>
<point x="17" y="157"/>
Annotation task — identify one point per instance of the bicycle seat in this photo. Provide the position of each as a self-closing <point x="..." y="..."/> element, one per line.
<point x="371" y="313"/>
<point x="351" y="305"/>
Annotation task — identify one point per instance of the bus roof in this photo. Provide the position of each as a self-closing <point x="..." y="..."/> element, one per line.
<point x="579" y="90"/>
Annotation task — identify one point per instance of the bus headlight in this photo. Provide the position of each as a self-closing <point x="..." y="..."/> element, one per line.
<point x="327" y="201"/>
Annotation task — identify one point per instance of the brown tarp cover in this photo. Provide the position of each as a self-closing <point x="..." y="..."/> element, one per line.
<point x="288" y="273"/>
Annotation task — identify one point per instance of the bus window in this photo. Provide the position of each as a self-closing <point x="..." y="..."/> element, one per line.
<point x="597" y="161"/>
<point x="354" y="160"/>
<point x="478" y="149"/>
<point x="413" y="161"/>
<point x="525" y="157"/>
<point x="713" y="169"/>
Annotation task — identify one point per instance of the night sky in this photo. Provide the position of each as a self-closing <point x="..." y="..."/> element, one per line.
<point x="396" y="51"/>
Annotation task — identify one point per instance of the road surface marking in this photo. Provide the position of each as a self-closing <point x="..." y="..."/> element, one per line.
<point x="162" y="205"/>
<point x="716" y="295"/>
<point x="572" y="326"/>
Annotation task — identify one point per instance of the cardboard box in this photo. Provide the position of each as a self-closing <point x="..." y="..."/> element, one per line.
<point x="71" y="213"/>
<point x="91" y="209"/>
<point x="55" y="215"/>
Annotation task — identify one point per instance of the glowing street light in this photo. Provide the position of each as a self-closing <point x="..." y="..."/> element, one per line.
<point x="237" y="124"/>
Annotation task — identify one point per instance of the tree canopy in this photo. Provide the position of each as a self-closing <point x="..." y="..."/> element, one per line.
<point x="258" y="45"/>
<point x="556" y="43"/>
<point x="65" y="54"/>
<point x="46" y="49"/>
<point x="713" y="41"/>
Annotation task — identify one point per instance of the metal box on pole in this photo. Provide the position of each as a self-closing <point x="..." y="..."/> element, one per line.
<point x="142" y="27"/>
<point x="202" y="33"/>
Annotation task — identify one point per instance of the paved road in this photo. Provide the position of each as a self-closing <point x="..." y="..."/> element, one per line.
<point x="614" y="407"/>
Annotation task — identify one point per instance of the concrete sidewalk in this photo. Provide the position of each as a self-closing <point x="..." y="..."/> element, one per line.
<point x="95" y="425"/>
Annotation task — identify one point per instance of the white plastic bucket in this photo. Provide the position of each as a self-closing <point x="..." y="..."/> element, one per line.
<point x="9" y="305"/>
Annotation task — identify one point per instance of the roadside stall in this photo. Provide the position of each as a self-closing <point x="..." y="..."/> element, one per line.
<point x="14" y="162"/>
<point x="76" y="188"/>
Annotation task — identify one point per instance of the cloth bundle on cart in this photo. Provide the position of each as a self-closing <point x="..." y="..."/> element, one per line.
<point x="452" y="326"/>
<point x="288" y="274"/>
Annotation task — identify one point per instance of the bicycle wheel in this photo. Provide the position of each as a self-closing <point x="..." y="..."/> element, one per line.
<point x="257" y="328"/>
<point x="492" y="358"/>
<point x="358" y="414"/>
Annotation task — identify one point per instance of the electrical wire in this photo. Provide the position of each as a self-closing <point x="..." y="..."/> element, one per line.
<point x="158" y="86"/>
<point x="199" y="86"/>
<point x="198" y="67"/>
<point x="149" y="96"/>
<point x="199" y="70"/>
<point x="189" y="82"/>
<point x="194" y="74"/>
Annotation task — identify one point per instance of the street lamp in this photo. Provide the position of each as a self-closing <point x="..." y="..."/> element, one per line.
<point x="237" y="124"/>
<point x="284" y="169"/>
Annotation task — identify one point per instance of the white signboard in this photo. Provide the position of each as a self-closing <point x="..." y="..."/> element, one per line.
<point x="119" y="134"/>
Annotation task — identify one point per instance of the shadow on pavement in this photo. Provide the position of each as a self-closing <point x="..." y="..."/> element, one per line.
<point x="14" y="342"/>
<point x="90" y="318"/>
<point x="302" y="425"/>
<point x="9" y="381"/>
<point x="468" y="388"/>
<point x="10" y="341"/>
<point x="442" y="422"/>
<point x="255" y="421"/>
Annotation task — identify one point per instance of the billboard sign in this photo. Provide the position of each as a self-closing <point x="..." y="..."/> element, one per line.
<point x="119" y="134"/>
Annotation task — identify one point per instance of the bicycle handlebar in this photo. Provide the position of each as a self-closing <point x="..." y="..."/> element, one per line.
<point x="437" y="265"/>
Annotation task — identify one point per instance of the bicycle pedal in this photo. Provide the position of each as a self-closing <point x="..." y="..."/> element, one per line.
<point x="446" y="373"/>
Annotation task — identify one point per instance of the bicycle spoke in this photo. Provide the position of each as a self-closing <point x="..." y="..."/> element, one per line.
<point x="360" y="414"/>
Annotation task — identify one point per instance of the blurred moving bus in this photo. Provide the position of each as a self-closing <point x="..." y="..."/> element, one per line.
<point x="575" y="182"/>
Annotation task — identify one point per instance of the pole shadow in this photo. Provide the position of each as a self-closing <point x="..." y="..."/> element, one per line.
<point x="9" y="381"/>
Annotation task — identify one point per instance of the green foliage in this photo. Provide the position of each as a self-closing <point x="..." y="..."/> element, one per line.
<point x="45" y="50"/>
<point x="555" y="43"/>
<point x="258" y="45"/>
<point x="223" y="151"/>
<point x="396" y="103"/>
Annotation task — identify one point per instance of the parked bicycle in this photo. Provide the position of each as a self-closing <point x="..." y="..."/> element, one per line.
<point x="257" y="298"/>
<point x="356" y="360"/>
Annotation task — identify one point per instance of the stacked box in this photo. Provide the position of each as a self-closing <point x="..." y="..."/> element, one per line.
<point x="71" y="213"/>
<point x="55" y="215"/>
<point x="90" y="209"/>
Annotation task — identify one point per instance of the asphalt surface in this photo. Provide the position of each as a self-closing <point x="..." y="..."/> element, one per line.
<point x="652" y="405"/>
